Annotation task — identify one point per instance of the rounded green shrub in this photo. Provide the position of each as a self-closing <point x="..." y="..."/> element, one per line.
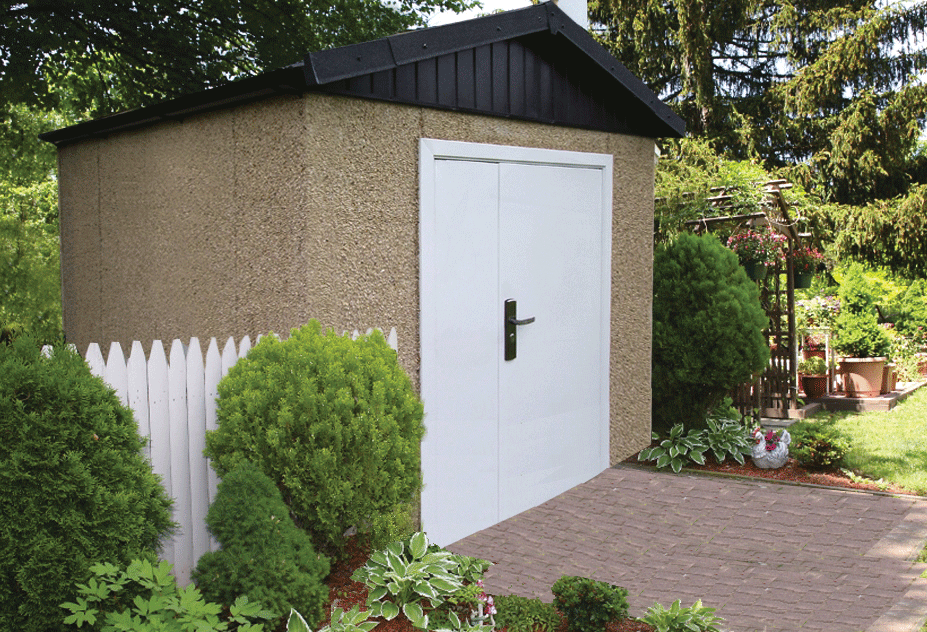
<point x="858" y="335"/>
<point x="707" y="330"/>
<point x="77" y="489"/>
<point x="587" y="604"/>
<point x="818" y="444"/>
<point x="334" y="422"/>
<point x="264" y="556"/>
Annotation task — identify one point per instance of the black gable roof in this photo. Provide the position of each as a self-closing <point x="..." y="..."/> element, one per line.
<point x="533" y="64"/>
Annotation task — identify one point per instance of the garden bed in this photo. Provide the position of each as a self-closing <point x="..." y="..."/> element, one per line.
<point x="345" y="592"/>
<point x="791" y="472"/>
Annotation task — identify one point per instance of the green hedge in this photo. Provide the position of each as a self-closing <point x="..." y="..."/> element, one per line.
<point x="77" y="489"/>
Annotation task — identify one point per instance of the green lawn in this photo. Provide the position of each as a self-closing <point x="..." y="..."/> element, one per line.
<point x="890" y="445"/>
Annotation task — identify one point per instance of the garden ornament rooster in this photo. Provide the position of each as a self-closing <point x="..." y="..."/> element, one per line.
<point x="770" y="451"/>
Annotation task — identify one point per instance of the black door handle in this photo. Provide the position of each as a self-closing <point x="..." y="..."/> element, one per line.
<point x="511" y="322"/>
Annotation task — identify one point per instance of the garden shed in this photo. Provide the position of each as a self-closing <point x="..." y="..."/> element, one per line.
<point x="485" y="188"/>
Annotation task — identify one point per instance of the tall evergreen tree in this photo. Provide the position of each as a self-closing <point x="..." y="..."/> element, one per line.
<point x="828" y="93"/>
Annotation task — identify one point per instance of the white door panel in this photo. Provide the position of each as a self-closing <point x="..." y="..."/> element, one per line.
<point x="460" y="385"/>
<point x="535" y="226"/>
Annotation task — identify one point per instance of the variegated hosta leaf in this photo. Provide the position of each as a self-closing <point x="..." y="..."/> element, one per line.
<point x="296" y="623"/>
<point x="418" y="545"/>
<point x="445" y="585"/>
<point x="389" y="610"/>
<point x="426" y="590"/>
<point x="376" y="594"/>
<point x="415" y="614"/>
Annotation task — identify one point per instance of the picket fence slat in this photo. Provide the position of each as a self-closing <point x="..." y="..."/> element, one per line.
<point x="212" y="373"/>
<point x="137" y="377"/>
<point x="196" y="437"/>
<point x="160" y="426"/>
<point x="180" y="460"/>
<point x="95" y="360"/>
<point x="116" y="375"/>
<point x="174" y="403"/>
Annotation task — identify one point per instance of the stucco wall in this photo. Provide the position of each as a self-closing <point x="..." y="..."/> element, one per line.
<point x="261" y="217"/>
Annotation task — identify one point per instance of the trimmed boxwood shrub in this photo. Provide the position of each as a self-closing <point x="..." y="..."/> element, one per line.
<point x="264" y="556"/>
<point x="334" y="422"/>
<point x="587" y="604"/>
<point x="860" y="336"/>
<point x="77" y="489"/>
<point x="818" y="444"/>
<point x="707" y="330"/>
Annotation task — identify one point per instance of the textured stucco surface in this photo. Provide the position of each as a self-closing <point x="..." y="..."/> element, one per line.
<point x="261" y="217"/>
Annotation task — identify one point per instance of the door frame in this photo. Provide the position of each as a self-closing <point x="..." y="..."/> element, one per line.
<point x="433" y="150"/>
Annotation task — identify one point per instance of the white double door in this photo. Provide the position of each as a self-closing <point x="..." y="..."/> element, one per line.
<point x="534" y="226"/>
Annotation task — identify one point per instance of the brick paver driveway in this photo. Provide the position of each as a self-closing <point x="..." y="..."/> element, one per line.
<point x="770" y="557"/>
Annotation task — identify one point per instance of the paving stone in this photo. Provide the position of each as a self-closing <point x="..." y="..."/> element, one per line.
<point x="827" y="559"/>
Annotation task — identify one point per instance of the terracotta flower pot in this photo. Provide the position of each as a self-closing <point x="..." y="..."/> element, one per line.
<point x="814" y="386"/>
<point x="862" y="377"/>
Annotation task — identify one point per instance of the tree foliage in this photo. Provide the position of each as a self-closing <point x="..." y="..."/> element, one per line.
<point x="829" y="95"/>
<point x="29" y="271"/>
<point x="126" y="53"/>
<point x="62" y="61"/>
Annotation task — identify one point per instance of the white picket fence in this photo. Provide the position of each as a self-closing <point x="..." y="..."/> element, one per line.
<point x="174" y="402"/>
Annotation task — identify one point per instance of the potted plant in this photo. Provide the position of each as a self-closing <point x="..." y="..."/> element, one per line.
<point x="756" y="250"/>
<point x="813" y="372"/>
<point x="805" y="262"/>
<point x="814" y="345"/>
<point x="864" y="347"/>
<point x="771" y="450"/>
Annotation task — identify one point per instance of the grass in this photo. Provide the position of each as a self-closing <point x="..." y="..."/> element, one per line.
<point x="889" y="445"/>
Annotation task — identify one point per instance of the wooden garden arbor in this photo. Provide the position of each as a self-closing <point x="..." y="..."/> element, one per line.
<point x="775" y="393"/>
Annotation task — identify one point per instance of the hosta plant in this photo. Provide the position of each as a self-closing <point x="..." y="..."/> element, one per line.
<point x="353" y="620"/>
<point x="676" y="449"/>
<point x="412" y="573"/>
<point x="726" y="436"/>
<point x="695" y="618"/>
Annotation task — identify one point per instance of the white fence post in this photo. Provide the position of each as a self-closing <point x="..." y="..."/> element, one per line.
<point x="174" y="404"/>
